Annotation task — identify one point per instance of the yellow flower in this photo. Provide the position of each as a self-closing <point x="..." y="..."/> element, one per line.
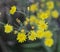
<point x="21" y="37"/>
<point x="55" y="14"/>
<point x="50" y="5"/>
<point x="22" y="30"/>
<point x="40" y="34"/>
<point x="43" y="15"/>
<point x="13" y="10"/>
<point x="33" y="19"/>
<point x="8" y="28"/>
<point x="15" y="32"/>
<point x="33" y="8"/>
<point x="28" y="8"/>
<point x="49" y="42"/>
<point x="42" y="25"/>
<point x="18" y="21"/>
<point x="48" y="34"/>
<point x="27" y="19"/>
<point x="32" y="36"/>
<point x="33" y="27"/>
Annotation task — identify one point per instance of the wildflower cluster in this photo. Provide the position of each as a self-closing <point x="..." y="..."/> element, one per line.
<point x="38" y="21"/>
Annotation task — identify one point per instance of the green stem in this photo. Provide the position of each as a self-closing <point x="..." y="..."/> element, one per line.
<point x="2" y="23"/>
<point x="21" y="12"/>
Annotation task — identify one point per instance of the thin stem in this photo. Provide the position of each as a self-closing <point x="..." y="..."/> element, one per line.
<point x="16" y="25"/>
<point x="21" y="12"/>
<point x="2" y="23"/>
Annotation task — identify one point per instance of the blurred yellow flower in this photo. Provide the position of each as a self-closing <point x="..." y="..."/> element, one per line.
<point x="21" y="37"/>
<point x="32" y="36"/>
<point x="15" y="32"/>
<point x="27" y="19"/>
<point x="33" y="27"/>
<point x="25" y="22"/>
<point x="33" y="19"/>
<point x="12" y="10"/>
<point x="48" y="34"/>
<point x="28" y="8"/>
<point x="49" y="42"/>
<point x="55" y="14"/>
<point x="22" y="30"/>
<point x="42" y="5"/>
<point x="8" y="28"/>
<point x="18" y="21"/>
<point x="33" y="7"/>
<point x="40" y="34"/>
<point x="42" y="25"/>
<point x="43" y="15"/>
<point x="50" y="5"/>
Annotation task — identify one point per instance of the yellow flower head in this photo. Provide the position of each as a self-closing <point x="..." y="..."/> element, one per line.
<point x="25" y="22"/>
<point x="22" y="30"/>
<point x="49" y="42"/>
<point x="27" y="19"/>
<point x="13" y="10"/>
<point x="21" y="37"/>
<point x="33" y="27"/>
<point x="50" y="5"/>
<point x="15" y="32"/>
<point x="40" y="34"/>
<point x="8" y="28"/>
<point x="43" y="15"/>
<point x="33" y="19"/>
<point x="32" y="36"/>
<point x="28" y="8"/>
<point x="48" y="34"/>
<point x="55" y="14"/>
<point x="33" y="7"/>
<point x="42" y="25"/>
